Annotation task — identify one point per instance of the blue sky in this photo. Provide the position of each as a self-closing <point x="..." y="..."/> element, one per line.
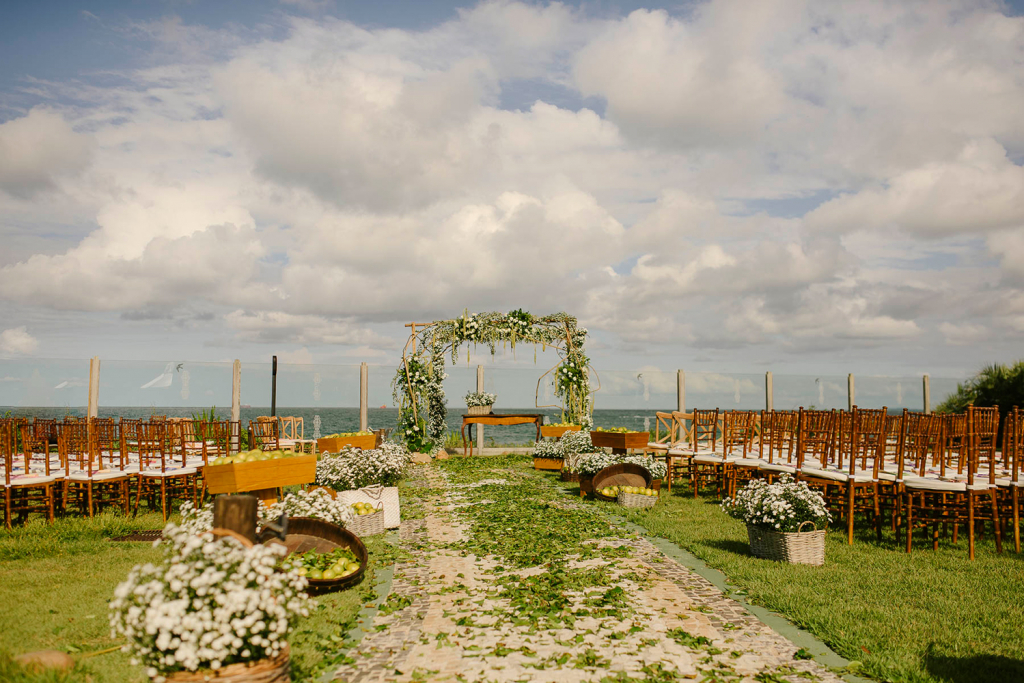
<point x="721" y="186"/>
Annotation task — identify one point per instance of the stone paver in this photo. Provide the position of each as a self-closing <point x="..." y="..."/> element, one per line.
<point x="451" y="625"/>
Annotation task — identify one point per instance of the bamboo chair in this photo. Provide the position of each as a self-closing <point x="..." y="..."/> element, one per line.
<point x="263" y="434"/>
<point x="91" y="485"/>
<point x="24" y="492"/>
<point x="847" y="488"/>
<point x="160" y="473"/>
<point x="1013" y="434"/>
<point x="738" y="435"/>
<point x="703" y="444"/>
<point x="678" y="456"/>
<point x="954" y="499"/>
<point x="216" y="438"/>
<point x="778" y="439"/>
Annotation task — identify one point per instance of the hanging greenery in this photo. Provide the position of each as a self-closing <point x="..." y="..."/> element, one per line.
<point x="418" y="390"/>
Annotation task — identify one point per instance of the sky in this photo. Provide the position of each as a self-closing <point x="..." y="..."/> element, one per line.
<point x="723" y="186"/>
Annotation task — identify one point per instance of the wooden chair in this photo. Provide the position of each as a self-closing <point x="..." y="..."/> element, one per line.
<point x="292" y="430"/>
<point x="955" y="499"/>
<point x="263" y="434"/>
<point x="778" y="441"/>
<point x="25" y="491"/>
<point x="849" y="482"/>
<point x="1013" y="450"/>
<point x="90" y="484"/>
<point x="740" y="463"/>
<point x="161" y="474"/>
<point x="677" y="458"/>
<point x="703" y="444"/>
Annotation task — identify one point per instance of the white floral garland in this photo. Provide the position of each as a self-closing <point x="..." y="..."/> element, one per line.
<point x="208" y="604"/>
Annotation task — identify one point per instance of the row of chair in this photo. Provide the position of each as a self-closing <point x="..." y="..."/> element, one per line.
<point x="919" y="470"/>
<point x="51" y="466"/>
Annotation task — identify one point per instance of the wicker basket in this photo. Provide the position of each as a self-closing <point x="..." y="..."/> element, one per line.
<point x="479" y="410"/>
<point x="377" y="496"/>
<point x="276" y="670"/>
<point x="568" y="476"/>
<point x="368" y="525"/>
<point x="635" y="500"/>
<point x="800" y="547"/>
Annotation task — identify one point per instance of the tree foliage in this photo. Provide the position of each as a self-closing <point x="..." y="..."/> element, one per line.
<point x="995" y="385"/>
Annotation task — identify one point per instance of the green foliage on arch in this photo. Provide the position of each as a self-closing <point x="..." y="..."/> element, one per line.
<point x="417" y="386"/>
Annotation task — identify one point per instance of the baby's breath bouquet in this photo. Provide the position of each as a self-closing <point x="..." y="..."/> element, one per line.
<point x="316" y="504"/>
<point x="208" y="604"/>
<point x="782" y="506"/>
<point x="480" y="398"/>
<point x="574" y="447"/>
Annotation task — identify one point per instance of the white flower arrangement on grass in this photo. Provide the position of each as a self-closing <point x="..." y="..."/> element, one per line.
<point x="593" y="463"/>
<point x="782" y="506"/>
<point x="353" y="468"/>
<point x="548" y="448"/>
<point x="574" y="446"/>
<point x="480" y="398"/>
<point x="208" y="604"/>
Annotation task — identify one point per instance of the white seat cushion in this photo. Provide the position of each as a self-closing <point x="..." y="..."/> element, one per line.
<point x="777" y="467"/>
<point x="749" y="462"/>
<point x="102" y="475"/>
<point x="714" y="459"/>
<point x="658" y="446"/>
<point x="30" y="480"/>
<point x="835" y="475"/>
<point x="930" y="484"/>
<point x="178" y="472"/>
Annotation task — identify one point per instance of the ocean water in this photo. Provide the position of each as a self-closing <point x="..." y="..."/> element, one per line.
<point x="347" y="419"/>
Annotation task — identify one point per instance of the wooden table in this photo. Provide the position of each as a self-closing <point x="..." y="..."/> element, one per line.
<point x="498" y="419"/>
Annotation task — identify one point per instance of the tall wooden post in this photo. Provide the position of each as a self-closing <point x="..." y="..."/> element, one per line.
<point x="236" y="405"/>
<point x="926" y="386"/>
<point x="480" y="387"/>
<point x="769" y="392"/>
<point x="364" y="396"/>
<point x="850" y="393"/>
<point x="94" y="387"/>
<point x="236" y="513"/>
<point x="273" y="387"/>
<point x="680" y="391"/>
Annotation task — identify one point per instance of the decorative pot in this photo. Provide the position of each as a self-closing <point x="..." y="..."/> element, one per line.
<point x="800" y="547"/>
<point x="479" y="410"/>
<point x="274" y="670"/>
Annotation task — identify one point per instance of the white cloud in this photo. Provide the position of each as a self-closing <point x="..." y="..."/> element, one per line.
<point x="17" y="341"/>
<point x="37" y="149"/>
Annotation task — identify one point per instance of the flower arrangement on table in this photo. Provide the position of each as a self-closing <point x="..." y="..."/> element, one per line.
<point x="592" y="463"/>
<point x="783" y="506"/>
<point x="480" y="398"/>
<point x="353" y="468"/>
<point x="207" y="605"/>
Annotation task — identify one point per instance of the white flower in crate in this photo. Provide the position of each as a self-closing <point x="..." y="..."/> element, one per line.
<point x="592" y="463"/>
<point x="353" y="468"/>
<point x="208" y="604"/>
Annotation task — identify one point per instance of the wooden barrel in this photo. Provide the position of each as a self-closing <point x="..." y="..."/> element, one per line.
<point x="305" y="534"/>
<point x="622" y="474"/>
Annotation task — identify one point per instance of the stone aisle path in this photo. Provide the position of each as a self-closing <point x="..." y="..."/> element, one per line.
<point x="639" y="615"/>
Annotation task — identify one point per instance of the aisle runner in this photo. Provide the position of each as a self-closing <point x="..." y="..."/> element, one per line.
<point x="445" y="622"/>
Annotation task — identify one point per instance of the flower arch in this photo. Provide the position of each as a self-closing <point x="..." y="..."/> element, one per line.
<point x="417" y="386"/>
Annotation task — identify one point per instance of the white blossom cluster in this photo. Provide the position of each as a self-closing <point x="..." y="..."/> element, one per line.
<point x="208" y="604"/>
<point x="595" y="462"/>
<point x="782" y="506"/>
<point x="575" y="445"/>
<point x="353" y="468"/>
<point x="480" y="398"/>
<point x="548" y="448"/>
<point x="317" y="504"/>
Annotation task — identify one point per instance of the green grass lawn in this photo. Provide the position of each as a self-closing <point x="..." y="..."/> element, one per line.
<point x="928" y="616"/>
<point x="57" y="580"/>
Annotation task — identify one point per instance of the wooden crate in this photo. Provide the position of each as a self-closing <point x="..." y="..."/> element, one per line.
<point x="557" y="432"/>
<point x="262" y="474"/>
<point x="554" y="464"/>
<point x="620" y="440"/>
<point x="334" y="444"/>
